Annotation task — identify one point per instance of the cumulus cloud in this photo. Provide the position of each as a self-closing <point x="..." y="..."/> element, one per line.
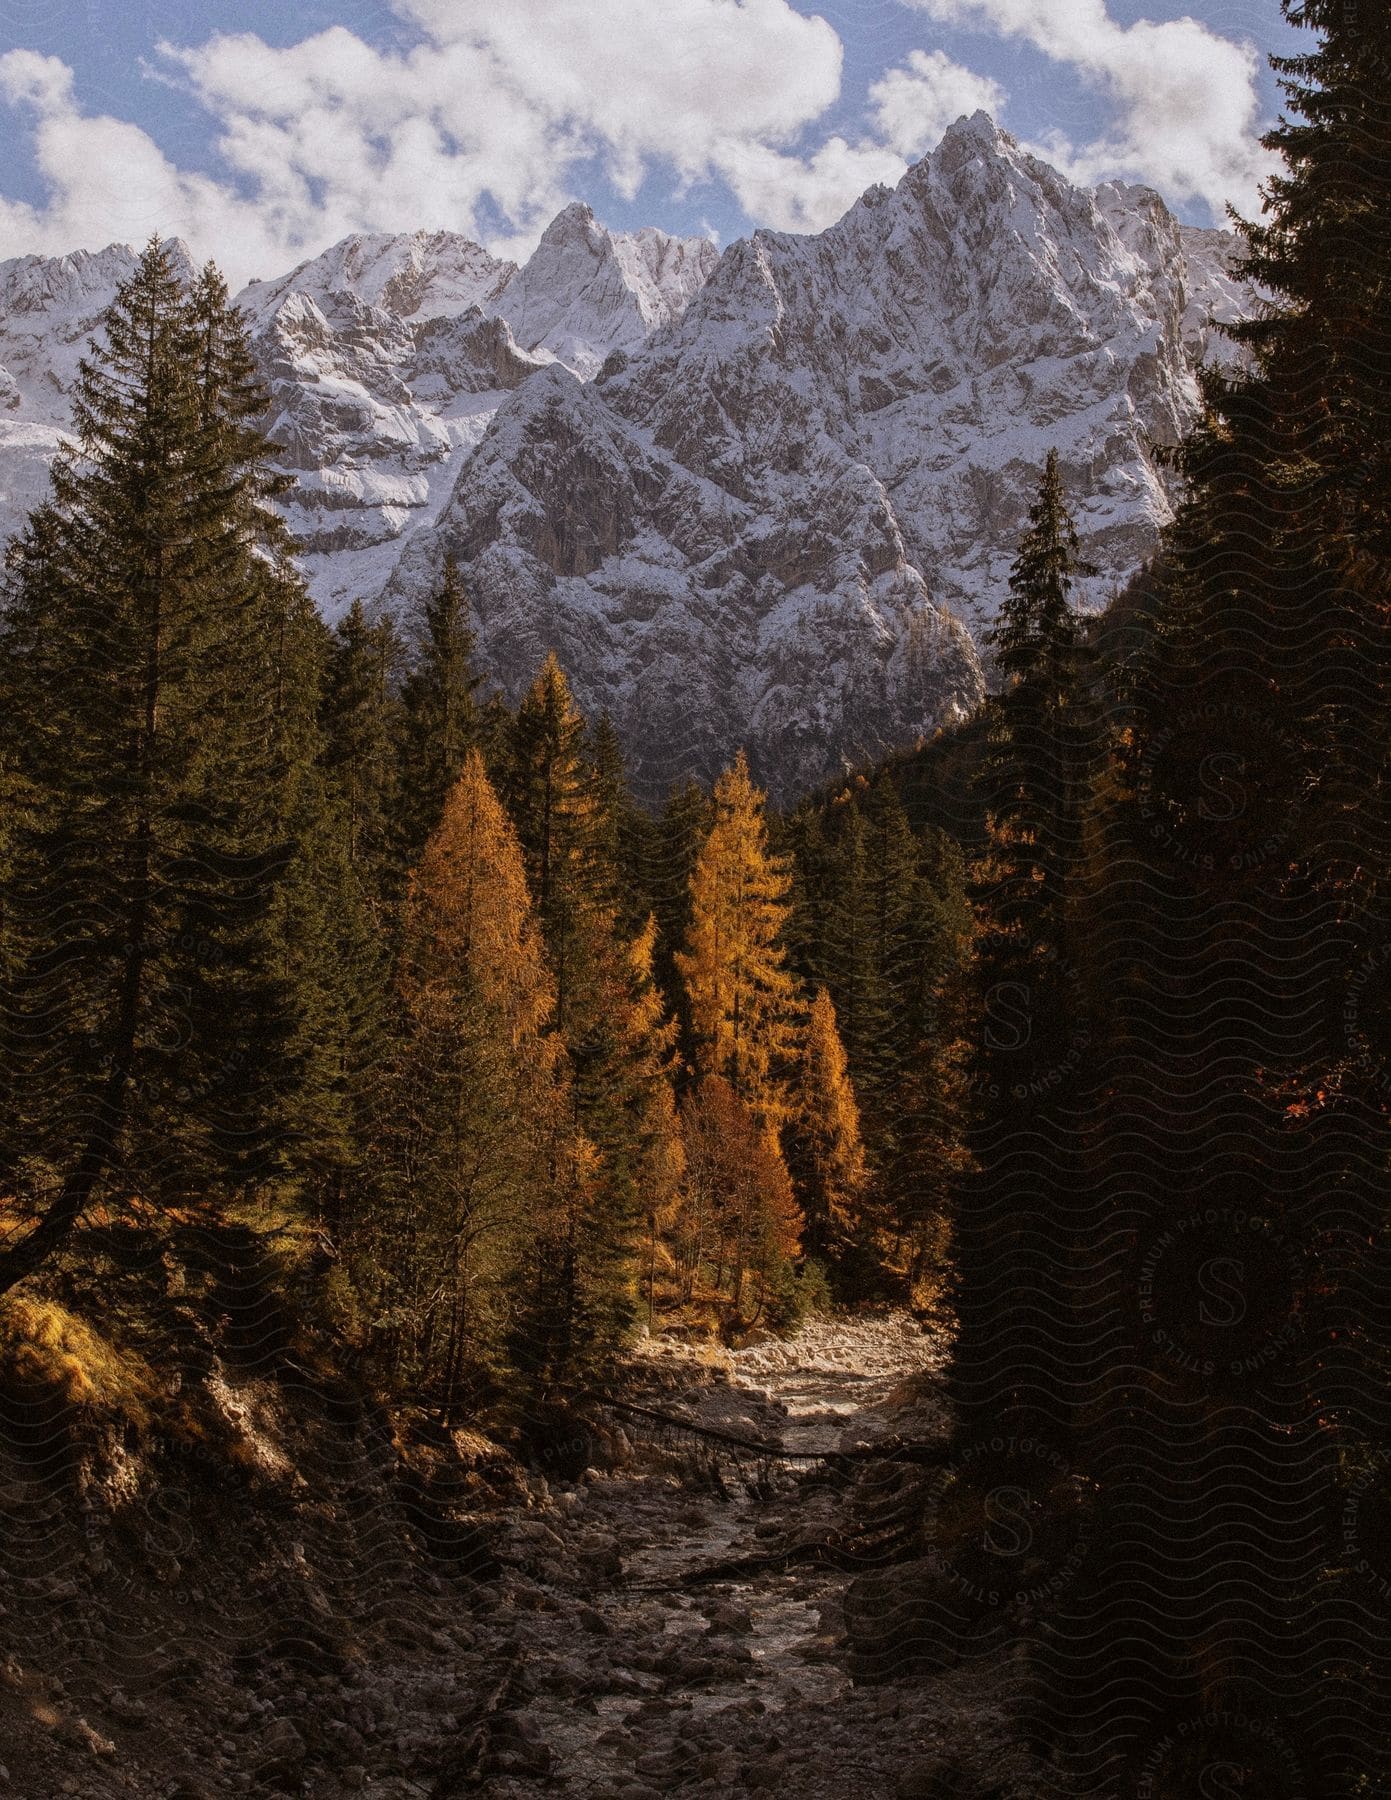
<point x="673" y="80"/>
<point x="483" y="119"/>
<point x="332" y="135"/>
<point x="1184" y="97"/>
<point x="805" y="193"/>
<point x="41" y="81"/>
<point x="108" y="180"/>
<point x="913" y="105"/>
<point x="479" y="124"/>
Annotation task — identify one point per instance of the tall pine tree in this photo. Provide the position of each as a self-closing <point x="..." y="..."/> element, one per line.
<point x="1236" y="1121"/>
<point x="148" y="1021"/>
<point x="438" y="721"/>
<point x="360" y="710"/>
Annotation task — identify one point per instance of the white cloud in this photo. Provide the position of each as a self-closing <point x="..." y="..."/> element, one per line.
<point x="479" y="126"/>
<point x="1185" y="97"/>
<point x="671" y="80"/>
<point x="913" y="106"/>
<point x="334" y="136"/>
<point x="494" y="105"/>
<point x="108" y="180"/>
<point x="40" y="81"/>
<point x="804" y="193"/>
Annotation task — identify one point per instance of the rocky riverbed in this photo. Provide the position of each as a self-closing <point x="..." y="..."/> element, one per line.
<point x="535" y="1636"/>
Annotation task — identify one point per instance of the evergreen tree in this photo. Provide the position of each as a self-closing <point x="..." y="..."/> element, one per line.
<point x="626" y="836"/>
<point x="834" y="938"/>
<point x="626" y="1178"/>
<point x="1022" y="1226"/>
<point x="147" y="1022"/>
<point x="340" y="970"/>
<point x="882" y="919"/>
<point x="680" y="830"/>
<point x="1039" y="739"/>
<point x="1322" y="249"/>
<point x="553" y="801"/>
<point x="438" y="720"/>
<point x="920" y="1116"/>
<point x="1036" y="636"/>
<point x="1233" y="898"/>
<point x="359" y="715"/>
<point x="654" y="1127"/>
<point x="1036" y="775"/>
<point x="569" y="807"/>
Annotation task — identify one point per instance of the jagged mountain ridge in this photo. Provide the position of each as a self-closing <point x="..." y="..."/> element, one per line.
<point x="767" y="497"/>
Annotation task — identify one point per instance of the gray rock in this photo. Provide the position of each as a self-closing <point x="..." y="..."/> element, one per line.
<point x="281" y="1750"/>
<point x="765" y="498"/>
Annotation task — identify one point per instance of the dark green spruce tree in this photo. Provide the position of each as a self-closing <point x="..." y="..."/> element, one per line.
<point x="916" y="1113"/>
<point x="882" y="920"/>
<point x="148" y="1018"/>
<point x="680" y="830"/>
<point x="584" y="1290"/>
<point x="359" y="720"/>
<point x="1020" y="1236"/>
<point x="438" y="720"/>
<point x="1236" y="921"/>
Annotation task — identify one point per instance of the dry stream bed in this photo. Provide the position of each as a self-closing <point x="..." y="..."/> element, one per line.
<point x="597" y="1658"/>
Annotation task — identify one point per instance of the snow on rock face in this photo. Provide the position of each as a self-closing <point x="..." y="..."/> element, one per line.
<point x="777" y="521"/>
<point x="413" y="275"/>
<point x="947" y="335"/>
<point x="587" y="291"/>
<point x="697" y="621"/>
<point x="769" y="497"/>
<point x="387" y="356"/>
<point x="49" y="308"/>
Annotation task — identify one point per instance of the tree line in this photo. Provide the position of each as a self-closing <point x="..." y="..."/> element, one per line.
<point x="300" y="926"/>
<point x="1083" y="1004"/>
<point x="1171" y="1244"/>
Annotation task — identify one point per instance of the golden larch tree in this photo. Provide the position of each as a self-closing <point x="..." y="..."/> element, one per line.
<point x="742" y="997"/>
<point x="477" y="1113"/>
<point x="741" y="1215"/>
<point x="824" y="1153"/>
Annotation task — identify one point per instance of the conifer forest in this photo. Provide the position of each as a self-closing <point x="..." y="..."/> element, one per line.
<point x="512" y="1285"/>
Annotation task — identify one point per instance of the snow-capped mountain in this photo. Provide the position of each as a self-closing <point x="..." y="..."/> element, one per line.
<point x="587" y="291"/>
<point x="49" y="308"/>
<point x="767" y="497"/>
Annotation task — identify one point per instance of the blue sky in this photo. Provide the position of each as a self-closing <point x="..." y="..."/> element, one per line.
<point x="263" y="132"/>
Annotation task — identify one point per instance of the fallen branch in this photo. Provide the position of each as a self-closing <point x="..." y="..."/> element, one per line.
<point x="893" y="1449"/>
<point x="832" y="1550"/>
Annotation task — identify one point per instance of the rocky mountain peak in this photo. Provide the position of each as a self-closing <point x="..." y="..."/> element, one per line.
<point x="586" y="291"/>
<point x="970" y="136"/>
<point x="768" y="497"/>
<point x="411" y="275"/>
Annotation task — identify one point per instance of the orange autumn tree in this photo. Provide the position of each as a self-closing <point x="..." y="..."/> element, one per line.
<point x="660" y="1153"/>
<point x="742" y="997"/>
<point x="743" y="1004"/>
<point x="477" y="1132"/>
<point x="825" y="1155"/>
<point x="741" y="1217"/>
